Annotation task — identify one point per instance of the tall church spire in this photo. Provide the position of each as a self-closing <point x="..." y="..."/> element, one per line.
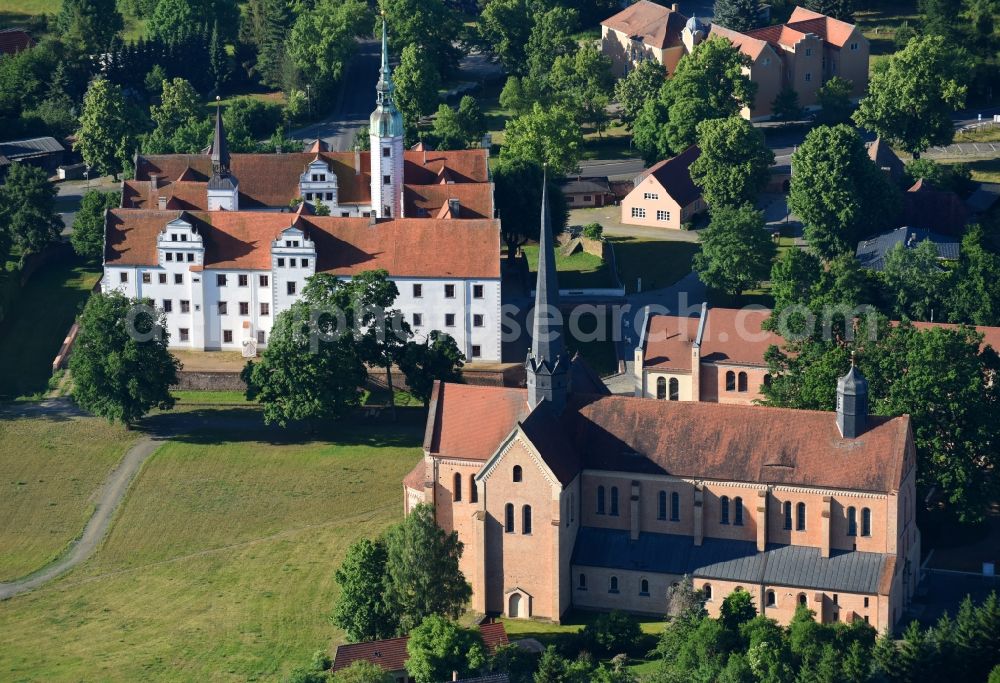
<point x="220" y="150"/>
<point x="385" y="135"/>
<point x="547" y="363"/>
<point x="385" y="88"/>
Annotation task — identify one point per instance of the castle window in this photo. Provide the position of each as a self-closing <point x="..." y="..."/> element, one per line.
<point x="526" y="519"/>
<point x="613" y="584"/>
<point x="243" y="280"/>
<point x="581" y="583"/>
<point x="802" y="599"/>
<point x="852" y="521"/>
<point x="738" y="511"/>
<point x="674" y="389"/>
<point x="866" y="602"/>
<point x="478" y="320"/>
<point x="220" y="280"/>
<point x="600" y="500"/>
<point x="767" y="380"/>
<point x="866" y="522"/>
<point x="264" y="281"/>
<point x="661" y="507"/>
<point x="800" y="517"/>
<point x="185" y="306"/>
<point x="478" y="291"/>
<point x="146" y="279"/>
<point x="449" y="291"/>
<point x="707" y="591"/>
<point x="281" y="263"/>
<point x="162" y="278"/>
<point x="644" y="587"/>
<point x="265" y="309"/>
<point x="227" y="336"/>
<point x="770" y="599"/>
<point x="508" y="522"/>
<point x="614" y="501"/>
<point x="170" y="256"/>
<point x="675" y="507"/>
<point x="661" y="388"/>
<point x="190" y="257"/>
<point x="290" y="287"/>
<point x="223" y="308"/>
<point x="387" y="151"/>
<point x="473" y="489"/>
<point x="743" y="381"/>
<point x="184" y="333"/>
<point x="178" y="278"/>
<point x="517" y="473"/>
<point x="730" y="381"/>
<point x="724" y="510"/>
<point x="418" y="291"/>
<point x="387" y="180"/>
<point x="786" y="509"/>
<point x="477" y="351"/>
<point x="458" y="488"/>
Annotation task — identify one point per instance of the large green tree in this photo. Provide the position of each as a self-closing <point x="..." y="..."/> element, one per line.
<point x="837" y="192"/>
<point x="551" y="37"/>
<point x="709" y="83"/>
<point x="383" y="333"/>
<point x="912" y="94"/>
<point x="736" y="250"/>
<point x="737" y="15"/>
<point x="431" y="25"/>
<point x="504" y="28"/>
<point x="106" y="134"/>
<point x="265" y="25"/>
<point x="88" y="224"/>
<point x="834" y="99"/>
<point x="734" y="164"/>
<point x="436" y="359"/>
<point x="582" y="82"/>
<point x="438" y="647"/>
<point x="89" y="24"/>
<point x="422" y="574"/>
<point x="311" y="369"/>
<point x="915" y="285"/>
<point x="173" y="18"/>
<point x="640" y="85"/>
<point x="322" y="39"/>
<point x="28" y="209"/>
<point x="120" y="363"/>
<point x="361" y="610"/>
<point x="518" y="196"/>
<point x="545" y="135"/>
<point x="417" y="81"/>
<point x="974" y="294"/>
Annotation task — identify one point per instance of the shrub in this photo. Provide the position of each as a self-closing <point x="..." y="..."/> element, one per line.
<point x="612" y="634"/>
<point x="593" y="231"/>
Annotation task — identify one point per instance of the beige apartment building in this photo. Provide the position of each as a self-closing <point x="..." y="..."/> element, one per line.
<point x="664" y="196"/>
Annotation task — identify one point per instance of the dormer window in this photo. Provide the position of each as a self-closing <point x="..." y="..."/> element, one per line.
<point x="173" y="237"/>
<point x="184" y="238"/>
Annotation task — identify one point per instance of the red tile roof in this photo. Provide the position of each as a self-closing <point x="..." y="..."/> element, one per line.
<point x="656" y="25"/>
<point x="668" y="342"/>
<point x="470" y="421"/>
<point x="475" y="200"/>
<point x="780" y="35"/>
<point x="14" y="40"/>
<point x="272" y="180"/>
<point x="405" y="247"/>
<point x="831" y="30"/>
<point x="675" y="176"/>
<point x="751" y="47"/>
<point x="415" y="479"/>
<point x="391" y="654"/>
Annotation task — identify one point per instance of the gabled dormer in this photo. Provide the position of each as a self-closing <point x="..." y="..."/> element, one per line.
<point x="180" y="242"/>
<point x="319" y="183"/>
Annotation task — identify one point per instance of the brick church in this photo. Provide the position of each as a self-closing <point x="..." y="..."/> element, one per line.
<point x="566" y="496"/>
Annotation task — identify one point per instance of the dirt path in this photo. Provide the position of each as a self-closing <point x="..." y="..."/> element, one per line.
<point x="112" y="492"/>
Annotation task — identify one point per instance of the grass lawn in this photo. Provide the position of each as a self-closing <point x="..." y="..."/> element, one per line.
<point x="614" y="143"/>
<point x="49" y="471"/>
<point x="15" y="13"/>
<point x="576" y="271"/>
<point x="36" y="325"/>
<point x="990" y="133"/>
<point x="220" y="563"/>
<point x="983" y="170"/>
<point x="659" y="263"/>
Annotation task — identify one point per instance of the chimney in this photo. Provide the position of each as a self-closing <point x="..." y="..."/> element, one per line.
<point x="852" y="403"/>
<point x="675" y="7"/>
<point x="454" y="675"/>
<point x="161" y="203"/>
<point x="372" y="219"/>
<point x="357" y="160"/>
<point x="154" y="181"/>
<point x="424" y="150"/>
<point x="454" y="207"/>
<point x="634" y="512"/>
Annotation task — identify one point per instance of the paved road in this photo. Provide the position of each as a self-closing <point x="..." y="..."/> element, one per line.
<point x="72" y="191"/>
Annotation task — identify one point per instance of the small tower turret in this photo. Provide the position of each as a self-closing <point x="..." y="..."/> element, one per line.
<point x="223" y="186"/>
<point x="385" y="130"/>
<point x="852" y="403"/>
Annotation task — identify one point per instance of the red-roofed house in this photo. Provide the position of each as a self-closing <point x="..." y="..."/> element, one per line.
<point x="566" y="498"/>
<point x="641" y="32"/>
<point x="665" y="196"/>
<point x="14" y="40"/>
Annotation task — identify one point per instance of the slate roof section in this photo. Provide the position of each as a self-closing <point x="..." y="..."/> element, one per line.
<point x="655" y="25"/>
<point x="983" y="198"/>
<point x="730" y="560"/>
<point x="675" y="177"/>
<point x="405" y="247"/>
<point x="871" y="253"/>
<point x="17" y="150"/>
<point x="547" y="434"/>
<point x="586" y="185"/>
<point x="883" y="157"/>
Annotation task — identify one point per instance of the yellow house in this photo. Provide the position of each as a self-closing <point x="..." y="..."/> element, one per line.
<point x="665" y="196"/>
<point x="642" y="32"/>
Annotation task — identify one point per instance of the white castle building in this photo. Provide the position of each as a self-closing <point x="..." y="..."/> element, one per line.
<point x="223" y="243"/>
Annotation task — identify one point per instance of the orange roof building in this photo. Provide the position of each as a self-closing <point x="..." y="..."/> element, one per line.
<point x="565" y="496"/>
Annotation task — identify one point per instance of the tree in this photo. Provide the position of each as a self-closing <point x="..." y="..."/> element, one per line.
<point x="447" y="129"/>
<point x="105" y="137"/>
<point x="179" y="101"/>
<point x="912" y="94"/>
<point x="838" y="9"/>
<point x="438" y="647"/>
<point x="736" y="250"/>
<point x="383" y="331"/>
<point x="554" y="668"/>
<point x="915" y="285"/>
<point x="180" y="125"/>
<point x="248" y="120"/>
<point x="265" y="24"/>
<point x="417" y="82"/>
<point x="545" y="135"/>
<point x="173" y="18"/>
<point x="737" y="15"/>
<point x="361" y="610"/>
<point x="734" y="164"/>
<point x="834" y="98"/>
<point x="582" y="82"/>
<point x="504" y="28"/>
<point x="431" y="25"/>
<point x="612" y="633"/>
<point x="940" y="17"/>
<point x="794" y="277"/>
<point x="471" y="120"/>
<point x="89" y="24"/>
<point x="837" y="192"/>
<point x="423" y="364"/>
<point x="737" y="609"/>
<point x="551" y="37"/>
<point x="311" y="368"/>
<point x="709" y="83"/>
<point x="218" y="60"/>
<point x="518" y="196"/>
<point x="88" y="225"/>
<point x="974" y="293"/>
<point x="361" y="671"/>
<point x="120" y="363"/>
<point x="954" y="177"/>
<point x="322" y="39"/>
<point x="28" y="209"/>
<point x="640" y="85"/>
<point x="515" y="96"/>
<point x="786" y="105"/>
<point x="422" y="574"/>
